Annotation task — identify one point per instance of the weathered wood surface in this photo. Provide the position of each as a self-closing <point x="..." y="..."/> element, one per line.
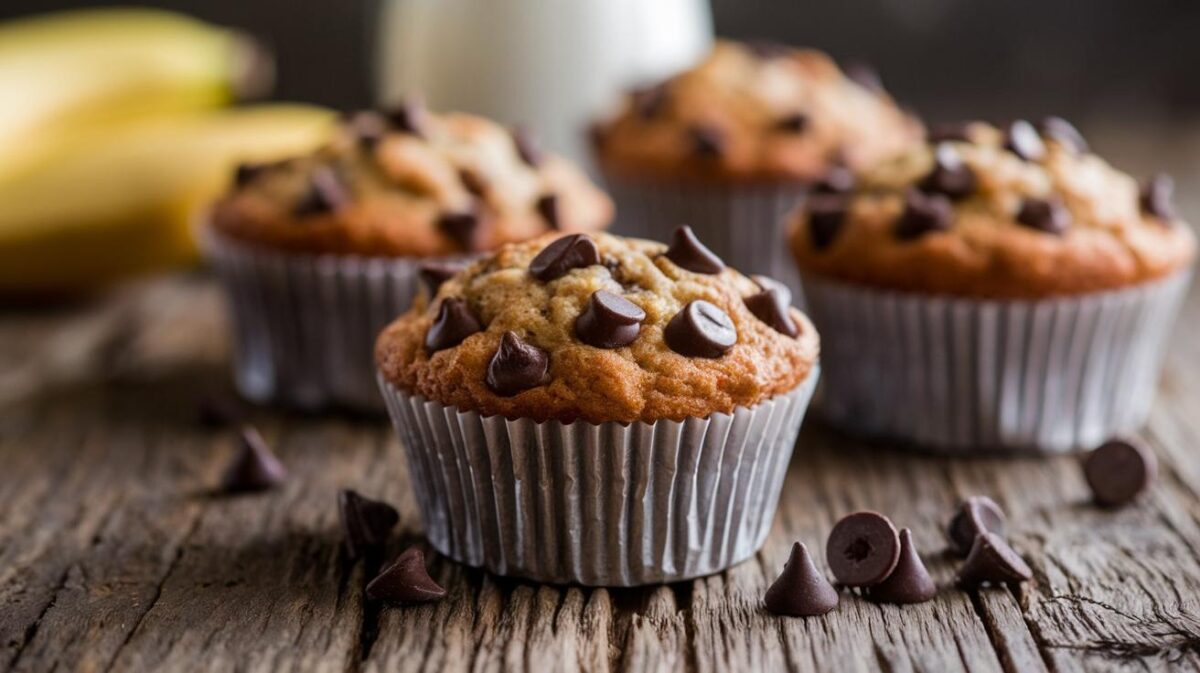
<point x="114" y="557"/>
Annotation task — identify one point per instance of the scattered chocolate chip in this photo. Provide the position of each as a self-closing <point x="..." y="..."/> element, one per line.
<point x="796" y="122"/>
<point x="573" y="251"/>
<point x="527" y="147"/>
<point x="609" y="321"/>
<point x="325" y="193"/>
<point x="405" y="581"/>
<point x="826" y="214"/>
<point x="688" y="253"/>
<point x="547" y="207"/>
<point x="454" y="322"/>
<point x="1046" y="215"/>
<point x="707" y="142"/>
<point x="837" y="180"/>
<point x="949" y="176"/>
<point x="517" y="366"/>
<point x="767" y="49"/>
<point x="1023" y="140"/>
<point x="597" y="133"/>
<point x="1155" y="197"/>
<point x="864" y="75"/>
<point x="433" y="274"/>
<point x="771" y="307"/>
<point x="992" y="561"/>
<point x="219" y="411"/>
<point x="768" y="283"/>
<point x="462" y="228"/>
<point x="977" y="514"/>
<point x="800" y="590"/>
<point x="246" y="173"/>
<point x="909" y="581"/>
<point x="700" y="330"/>
<point x="1063" y="132"/>
<point x="472" y="182"/>
<point x="254" y="467"/>
<point x="863" y="549"/>
<point x="366" y="523"/>
<point x="408" y="117"/>
<point x="923" y="214"/>
<point x="954" y="132"/>
<point x="649" y="102"/>
<point x="1119" y="471"/>
<point x="368" y="127"/>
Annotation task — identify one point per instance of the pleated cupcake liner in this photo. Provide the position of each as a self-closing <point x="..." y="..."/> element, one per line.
<point x="304" y="325"/>
<point x="607" y="504"/>
<point x="746" y="225"/>
<point x="961" y="375"/>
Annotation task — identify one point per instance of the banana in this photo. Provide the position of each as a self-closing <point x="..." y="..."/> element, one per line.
<point x="124" y="202"/>
<point x="67" y="74"/>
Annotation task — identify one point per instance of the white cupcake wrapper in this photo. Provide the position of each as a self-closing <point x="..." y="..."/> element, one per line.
<point x="305" y="325"/>
<point x="598" y="505"/>
<point x="743" y="224"/>
<point x="961" y="375"/>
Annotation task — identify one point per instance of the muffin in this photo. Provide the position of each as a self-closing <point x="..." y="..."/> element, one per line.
<point x="599" y="410"/>
<point x="999" y="288"/>
<point x="731" y="145"/>
<point x="320" y="252"/>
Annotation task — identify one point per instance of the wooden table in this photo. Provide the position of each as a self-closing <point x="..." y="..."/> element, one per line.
<point x="113" y="556"/>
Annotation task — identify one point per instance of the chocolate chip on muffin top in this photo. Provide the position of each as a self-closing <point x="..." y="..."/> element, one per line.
<point x="599" y="328"/>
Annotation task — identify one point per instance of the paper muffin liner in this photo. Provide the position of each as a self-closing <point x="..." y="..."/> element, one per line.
<point x="599" y="505"/>
<point x="304" y="325"/>
<point x="961" y="375"/>
<point x="746" y="225"/>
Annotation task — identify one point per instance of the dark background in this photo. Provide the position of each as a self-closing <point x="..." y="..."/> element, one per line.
<point x="1096" y="61"/>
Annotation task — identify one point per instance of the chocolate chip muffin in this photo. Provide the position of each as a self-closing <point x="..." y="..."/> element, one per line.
<point x="319" y="252"/>
<point x="1000" y="287"/>
<point x="543" y="355"/>
<point x="730" y="145"/>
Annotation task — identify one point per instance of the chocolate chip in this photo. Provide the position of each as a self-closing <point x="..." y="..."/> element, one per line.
<point x="405" y="581"/>
<point x="768" y="49"/>
<point x="650" y="101"/>
<point x="1119" y="471"/>
<point x="1063" y="132"/>
<point x="837" y="180"/>
<point x="1023" y="140"/>
<point x="768" y="283"/>
<point x="454" y="322"/>
<point x="796" y="122"/>
<point x="547" y="207"/>
<point x="527" y="147"/>
<point x="368" y="127"/>
<point x="409" y="117"/>
<point x="1048" y="215"/>
<point x="597" y="133"/>
<point x="219" y="411"/>
<point x="573" y="251"/>
<point x="707" y="142"/>
<point x="863" y="549"/>
<point x="472" y="182"/>
<point x="977" y="514"/>
<point x="254" y="467"/>
<point x="517" y="366"/>
<point x="688" y="253"/>
<point x="957" y="132"/>
<point x="433" y="274"/>
<point x="923" y="214"/>
<point x="700" y="330"/>
<point x="325" y="193"/>
<point x="800" y="590"/>
<point x="864" y="75"/>
<point x="949" y="176"/>
<point x="246" y="173"/>
<point x="609" y="321"/>
<point x="771" y="307"/>
<point x="1155" y="197"/>
<point x="909" y="582"/>
<point x="826" y="214"/>
<point x="992" y="561"/>
<point x="462" y="228"/>
<point x="366" y="523"/>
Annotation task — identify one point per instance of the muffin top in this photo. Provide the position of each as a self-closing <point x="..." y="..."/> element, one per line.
<point x="755" y="112"/>
<point x="1017" y="212"/>
<point x="411" y="183"/>
<point x="599" y="328"/>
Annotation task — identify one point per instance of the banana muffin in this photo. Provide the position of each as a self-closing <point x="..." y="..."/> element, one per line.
<point x="542" y="355"/>
<point x="319" y="252"/>
<point x="1016" y="289"/>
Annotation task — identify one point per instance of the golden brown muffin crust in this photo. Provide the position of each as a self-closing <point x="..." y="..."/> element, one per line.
<point x="398" y="188"/>
<point x="645" y="380"/>
<point x="1108" y="237"/>
<point x="777" y="115"/>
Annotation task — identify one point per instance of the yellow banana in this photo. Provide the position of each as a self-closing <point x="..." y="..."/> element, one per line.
<point x="123" y="203"/>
